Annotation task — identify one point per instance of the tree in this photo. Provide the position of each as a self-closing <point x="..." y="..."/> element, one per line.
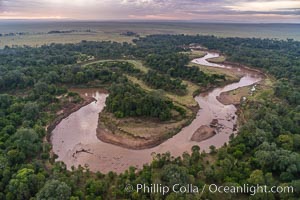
<point x="173" y="174"/>
<point x="5" y="100"/>
<point x="41" y="88"/>
<point x="26" y="141"/>
<point x="24" y="184"/>
<point x="256" y="177"/>
<point x="96" y="188"/>
<point x="296" y="139"/>
<point x="53" y="190"/>
<point x="285" y="141"/>
<point x="31" y="111"/>
<point x="52" y="77"/>
<point x="79" y="77"/>
<point x="195" y="152"/>
<point x="212" y="149"/>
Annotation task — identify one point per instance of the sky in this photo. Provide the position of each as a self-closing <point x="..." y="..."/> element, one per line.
<point x="276" y="11"/>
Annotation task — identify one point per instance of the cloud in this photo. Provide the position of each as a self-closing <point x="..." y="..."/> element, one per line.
<point x="150" y="9"/>
<point x="264" y="6"/>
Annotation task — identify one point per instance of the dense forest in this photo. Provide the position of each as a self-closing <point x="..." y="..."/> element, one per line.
<point x="129" y="100"/>
<point x="165" y="82"/>
<point x="34" y="82"/>
<point x="175" y="66"/>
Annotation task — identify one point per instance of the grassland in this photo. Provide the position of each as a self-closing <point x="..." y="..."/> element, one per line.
<point x="195" y="54"/>
<point x="139" y="82"/>
<point x="260" y="91"/>
<point x="35" y="40"/>
<point x="188" y="99"/>
<point x="36" y="32"/>
<point x="137" y="63"/>
<point x="217" y="60"/>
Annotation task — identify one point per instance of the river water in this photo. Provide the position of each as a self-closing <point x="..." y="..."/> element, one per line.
<point x="75" y="142"/>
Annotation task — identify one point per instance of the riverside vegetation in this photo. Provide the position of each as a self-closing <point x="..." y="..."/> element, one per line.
<point x="34" y="86"/>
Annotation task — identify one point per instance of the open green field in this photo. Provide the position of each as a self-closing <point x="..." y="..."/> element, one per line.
<point x="41" y="39"/>
<point x="35" y="33"/>
<point x="195" y="54"/>
<point x="217" y="60"/>
<point x="137" y="63"/>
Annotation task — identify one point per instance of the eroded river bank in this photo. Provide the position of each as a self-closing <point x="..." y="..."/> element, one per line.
<point x="75" y="142"/>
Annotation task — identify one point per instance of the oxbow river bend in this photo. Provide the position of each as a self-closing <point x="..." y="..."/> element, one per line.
<point x="75" y="142"/>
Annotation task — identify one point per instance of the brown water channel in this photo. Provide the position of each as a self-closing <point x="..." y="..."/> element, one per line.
<point x="75" y="142"/>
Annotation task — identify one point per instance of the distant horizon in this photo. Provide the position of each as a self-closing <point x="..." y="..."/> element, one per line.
<point x="145" y="21"/>
<point x="239" y="11"/>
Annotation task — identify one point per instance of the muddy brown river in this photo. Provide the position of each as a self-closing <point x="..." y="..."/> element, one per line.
<point x="75" y="142"/>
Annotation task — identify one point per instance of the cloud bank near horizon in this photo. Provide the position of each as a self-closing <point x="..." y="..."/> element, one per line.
<point x="197" y="10"/>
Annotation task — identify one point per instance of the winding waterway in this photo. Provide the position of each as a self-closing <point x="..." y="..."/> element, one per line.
<point x="75" y="142"/>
